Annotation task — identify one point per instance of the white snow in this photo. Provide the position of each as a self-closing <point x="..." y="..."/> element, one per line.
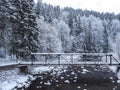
<point x="67" y="81"/>
<point x="85" y="84"/>
<point x="40" y="69"/>
<point x="111" y="78"/>
<point x="10" y="79"/>
<point x="47" y="83"/>
<point x="113" y="81"/>
<point x="62" y="78"/>
<point x="15" y="81"/>
<point x="75" y="77"/>
<point x="7" y="85"/>
<point x="65" y="71"/>
<point x="114" y="88"/>
<point x="118" y="81"/>
<point x="82" y="67"/>
<point x="74" y="80"/>
<point x="78" y="87"/>
<point x="84" y="71"/>
<point x="38" y="86"/>
<point x="56" y="81"/>
<point x="72" y="73"/>
<point x="118" y="75"/>
<point x="113" y="68"/>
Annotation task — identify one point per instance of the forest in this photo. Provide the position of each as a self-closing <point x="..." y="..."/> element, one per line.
<point x="27" y="27"/>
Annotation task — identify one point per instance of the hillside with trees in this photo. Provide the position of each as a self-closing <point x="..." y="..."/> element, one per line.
<point x="26" y="27"/>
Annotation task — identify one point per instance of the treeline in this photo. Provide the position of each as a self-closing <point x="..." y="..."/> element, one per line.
<point x="26" y="27"/>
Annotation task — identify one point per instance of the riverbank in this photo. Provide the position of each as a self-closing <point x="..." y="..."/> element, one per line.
<point x="12" y="79"/>
<point x="46" y="77"/>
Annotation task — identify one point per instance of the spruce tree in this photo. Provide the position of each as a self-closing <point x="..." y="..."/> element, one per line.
<point x="5" y="25"/>
<point x="3" y="20"/>
<point x="24" y="34"/>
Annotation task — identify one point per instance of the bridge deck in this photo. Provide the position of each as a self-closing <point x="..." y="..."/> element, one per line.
<point x="66" y="63"/>
<point x="69" y="59"/>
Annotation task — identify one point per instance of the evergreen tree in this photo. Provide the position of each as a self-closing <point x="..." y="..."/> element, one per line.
<point x="24" y="35"/>
<point x="5" y="25"/>
<point x="105" y="38"/>
<point x="39" y="9"/>
<point x="3" y="12"/>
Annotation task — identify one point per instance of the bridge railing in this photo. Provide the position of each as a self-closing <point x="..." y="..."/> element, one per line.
<point x="74" y="58"/>
<point x="4" y="62"/>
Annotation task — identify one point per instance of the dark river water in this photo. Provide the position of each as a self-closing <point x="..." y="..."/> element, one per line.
<point x="77" y="87"/>
<point x="95" y="79"/>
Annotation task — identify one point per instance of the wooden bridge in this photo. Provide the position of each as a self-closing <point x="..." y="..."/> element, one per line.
<point x="74" y="59"/>
<point x="81" y="59"/>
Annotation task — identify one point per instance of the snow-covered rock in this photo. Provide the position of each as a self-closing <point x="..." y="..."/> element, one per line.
<point x="62" y="78"/>
<point x="85" y="84"/>
<point x="113" y="68"/>
<point x="111" y="78"/>
<point x="72" y="73"/>
<point x="75" y="77"/>
<point x="41" y="69"/>
<point x="67" y="81"/>
<point x="74" y="80"/>
<point x="78" y="87"/>
<point x="84" y="71"/>
<point x="47" y="83"/>
<point x="118" y="81"/>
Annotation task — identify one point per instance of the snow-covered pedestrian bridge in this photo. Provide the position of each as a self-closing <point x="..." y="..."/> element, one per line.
<point x="81" y="59"/>
<point x="74" y="59"/>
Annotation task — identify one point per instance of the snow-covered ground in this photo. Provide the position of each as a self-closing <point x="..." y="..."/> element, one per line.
<point x="11" y="79"/>
<point x="115" y="70"/>
<point x="15" y="81"/>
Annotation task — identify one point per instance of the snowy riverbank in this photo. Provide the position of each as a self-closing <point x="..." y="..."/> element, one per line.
<point x="115" y="70"/>
<point x="12" y="79"/>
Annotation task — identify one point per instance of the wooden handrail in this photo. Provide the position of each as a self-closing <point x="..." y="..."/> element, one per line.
<point x="93" y="54"/>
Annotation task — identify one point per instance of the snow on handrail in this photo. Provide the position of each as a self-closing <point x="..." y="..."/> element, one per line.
<point x="94" y="54"/>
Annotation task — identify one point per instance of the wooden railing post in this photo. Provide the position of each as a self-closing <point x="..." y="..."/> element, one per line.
<point x="110" y="59"/>
<point x="59" y="59"/>
<point x="72" y="59"/>
<point x="106" y="58"/>
<point x="46" y="59"/>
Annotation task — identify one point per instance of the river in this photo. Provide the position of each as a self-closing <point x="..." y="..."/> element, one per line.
<point x="77" y="78"/>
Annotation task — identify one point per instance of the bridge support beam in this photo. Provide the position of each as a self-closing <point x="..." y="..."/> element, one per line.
<point x="46" y="57"/>
<point x="110" y="59"/>
<point x="59" y="60"/>
<point x="72" y="59"/>
<point x="106" y="57"/>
